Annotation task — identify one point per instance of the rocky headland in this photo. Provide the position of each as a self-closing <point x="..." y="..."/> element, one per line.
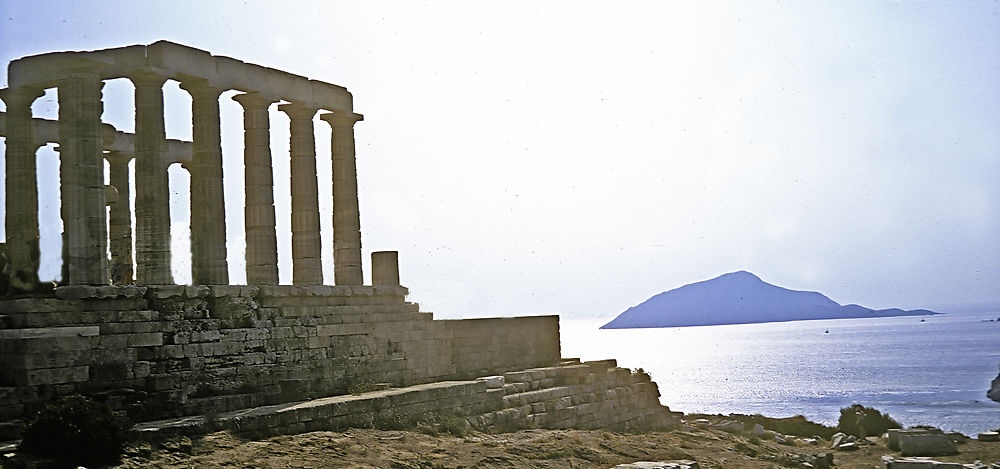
<point x="741" y="298"/>
<point x="994" y="392"/>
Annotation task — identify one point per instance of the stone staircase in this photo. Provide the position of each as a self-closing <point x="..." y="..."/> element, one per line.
<point x="570" y="395"/>
<point x="596" y="394"/>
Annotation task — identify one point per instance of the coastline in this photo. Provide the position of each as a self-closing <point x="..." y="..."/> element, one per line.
<point x="935" y="372"/>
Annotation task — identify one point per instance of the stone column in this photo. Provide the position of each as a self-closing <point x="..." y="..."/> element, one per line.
<point x="262" y="243"/>
<point x="208" y="207"/>
<point x="385" y="268"/>
<point x="81" y="172"/>
<point x="152" y="194"/>
<point x="307" y="266"/>
<point x="22" y="188"/>
<point x="120" y="222"/>
<point x="346" y="215"/>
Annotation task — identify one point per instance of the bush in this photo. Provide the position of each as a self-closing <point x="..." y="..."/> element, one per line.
<point x="77" y="431"/>
<point x="443" y="423"/>
<point x="862" y="421"/>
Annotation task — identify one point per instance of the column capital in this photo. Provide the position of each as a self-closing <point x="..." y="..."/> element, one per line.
<point x="201" y="87"/>
<point x="341" y="118"/>
<point x="117" y="157"/>
<point x="147" y="77"/>
<point x="108" y="135"/>
<point x="20" y="95"/>
<point x="254" y="100"/>
<point x="298" y="110"/>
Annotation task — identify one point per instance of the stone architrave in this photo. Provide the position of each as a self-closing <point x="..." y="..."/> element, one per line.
<point x="152" y="197"/>
<point x="307" y="268"/>
<point x="262" y="243"/>
<point x="21" y="188"/>
<point x="346" y="214"/>
<point x="90" y="233"/>
<point x="208" y="207"/>
<point x="81" y="170"/>
<point x="120" y="221"/>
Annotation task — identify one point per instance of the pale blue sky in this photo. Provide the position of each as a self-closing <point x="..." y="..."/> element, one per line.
<point x="579" y="157"/>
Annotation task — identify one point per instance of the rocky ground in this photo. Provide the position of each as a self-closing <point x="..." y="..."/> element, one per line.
<point x="369" y="448"/>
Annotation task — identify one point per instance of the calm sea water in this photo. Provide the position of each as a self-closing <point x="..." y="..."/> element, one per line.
<point x="934" y="372"/>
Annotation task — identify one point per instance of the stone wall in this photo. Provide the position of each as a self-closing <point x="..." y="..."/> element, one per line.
<point x="570" y="395"/>
<point x="162" y="351"/>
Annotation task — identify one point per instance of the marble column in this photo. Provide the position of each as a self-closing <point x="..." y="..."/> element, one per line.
<point x="152" y="195"/>
<point x="307" y="266"/>
<point x="346" y="215"/>
<point x="81" y="173"/>
<point x="262" y="243"/>
<point x="21" y="188"/>
<point x="120" y="220"/>
<point x="208" y="208"/>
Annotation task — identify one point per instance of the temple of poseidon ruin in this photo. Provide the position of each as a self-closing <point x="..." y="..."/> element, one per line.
<point x="262" y="357"/>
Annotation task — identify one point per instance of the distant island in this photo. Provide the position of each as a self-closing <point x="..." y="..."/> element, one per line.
<point x="740" y="298"/>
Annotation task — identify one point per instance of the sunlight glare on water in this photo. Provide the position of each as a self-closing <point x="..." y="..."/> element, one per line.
<point x="933" y="372"/>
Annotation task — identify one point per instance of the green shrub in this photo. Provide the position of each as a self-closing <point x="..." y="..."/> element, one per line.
<point x="392" y="421"/>
<point x="443" y="423"/>
<point x="456" y="426"/>
<point x="77" y="431"/>
<point x="862" y="421"/>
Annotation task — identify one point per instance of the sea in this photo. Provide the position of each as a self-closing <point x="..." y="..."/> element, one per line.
<point x="921" y="370"/>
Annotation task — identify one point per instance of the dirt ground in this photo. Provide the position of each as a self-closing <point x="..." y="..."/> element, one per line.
<point x="369" y="448"/>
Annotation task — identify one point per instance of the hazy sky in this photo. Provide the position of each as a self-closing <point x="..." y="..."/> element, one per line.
<point x="579" y="157"/>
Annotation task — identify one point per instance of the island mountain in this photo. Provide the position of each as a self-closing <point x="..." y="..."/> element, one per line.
<point x="740" y="298"/>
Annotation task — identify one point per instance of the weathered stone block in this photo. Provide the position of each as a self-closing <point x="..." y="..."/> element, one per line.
<point x="148" y="339"/>
<point x="218" y="291"/>
<point x="927" y="445"/>
<point x="45" y="376"/>
<point x="165" y="291"/>
<point x="160" y="382"/>
<point x="48" y="344"/>
<point x="127" y="327"/>
<point x="196" y="291"/>
<point x="49" y="332"/>
<point x="75" y="292"/>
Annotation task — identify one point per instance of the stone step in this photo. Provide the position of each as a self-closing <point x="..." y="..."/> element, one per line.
<point x="338" y="310"/>
<point x="459" y="398"/>
<point x="18" y="320"/>
<point x="625" y="407"/>
<point x="540" y="395"/>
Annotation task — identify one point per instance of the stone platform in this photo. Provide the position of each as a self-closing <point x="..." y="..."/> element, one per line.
<point x="168" y="351"/>
<point x="570" y="395"/>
